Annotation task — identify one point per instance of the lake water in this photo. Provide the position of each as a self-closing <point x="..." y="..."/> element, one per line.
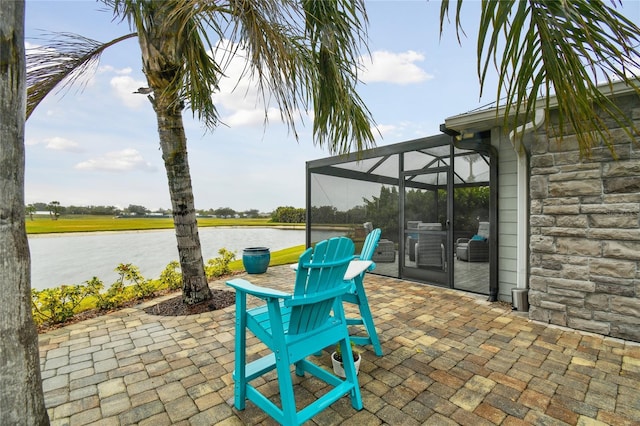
<point x="75" y="258"/>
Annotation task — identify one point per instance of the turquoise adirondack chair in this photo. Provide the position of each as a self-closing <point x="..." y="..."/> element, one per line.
<point x="295" y="326"/>
<point x="358" y="297"/>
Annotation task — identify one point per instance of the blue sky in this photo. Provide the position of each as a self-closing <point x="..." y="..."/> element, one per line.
<point x="98" y="145"/>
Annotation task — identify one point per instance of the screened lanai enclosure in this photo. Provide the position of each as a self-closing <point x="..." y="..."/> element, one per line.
<point x="433" y="198"/>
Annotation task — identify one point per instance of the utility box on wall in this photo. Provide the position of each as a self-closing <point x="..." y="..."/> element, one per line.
<point x="520" y="299"/>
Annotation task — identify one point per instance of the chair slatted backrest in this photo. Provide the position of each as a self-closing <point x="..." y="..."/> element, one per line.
<point x="320" y="273"/>
<point x="370" y="244"/>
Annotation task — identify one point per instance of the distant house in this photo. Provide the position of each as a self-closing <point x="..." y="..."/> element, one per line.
<point x="562" y="230"/>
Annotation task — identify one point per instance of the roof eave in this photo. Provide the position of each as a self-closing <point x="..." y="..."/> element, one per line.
<point x="494" y="117"/>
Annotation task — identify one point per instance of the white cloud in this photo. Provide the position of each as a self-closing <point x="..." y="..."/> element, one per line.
<point x="117" y="161"/>
<point x="253" y="117"/>
<point x="406" y="129"/>
<point x="62" y="144"/>
<point x="386" y="129"/>
<point x="397" y="68"/>
<point x="242" y="104"/>
<point x="56" y="143"/>
<point x="114" y="70"/>
<point x="124" y="86"/>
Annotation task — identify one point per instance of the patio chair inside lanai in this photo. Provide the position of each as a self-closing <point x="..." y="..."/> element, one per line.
<point x="476" y="248"/>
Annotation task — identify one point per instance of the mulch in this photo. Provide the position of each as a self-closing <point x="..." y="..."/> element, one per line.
<point x="175" y="307"/>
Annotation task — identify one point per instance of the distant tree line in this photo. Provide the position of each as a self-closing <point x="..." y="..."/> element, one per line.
<point x="55" y="209"/>
<point x="288" y="215"/>
<point x="228" y="212"/>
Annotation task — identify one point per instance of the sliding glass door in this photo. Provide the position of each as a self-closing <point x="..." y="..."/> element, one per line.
<point x="427" y="250"/>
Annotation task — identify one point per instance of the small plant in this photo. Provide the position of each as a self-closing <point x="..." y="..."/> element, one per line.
<point x="95" y="286"/>
<point x="141" y="286"/>
<point x="171" y="277"/>
<point x="354" y="351"/>
<point x="219" y="266"/>
<point x="58" y="304"/>
<point x="115" y="297"/>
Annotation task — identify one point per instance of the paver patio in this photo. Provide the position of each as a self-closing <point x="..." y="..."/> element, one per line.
<point x="450" y="358"/>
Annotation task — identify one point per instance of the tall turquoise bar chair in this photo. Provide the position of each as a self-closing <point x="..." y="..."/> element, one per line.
<point x="358" y="296"/>
<point x="295" y="326"/>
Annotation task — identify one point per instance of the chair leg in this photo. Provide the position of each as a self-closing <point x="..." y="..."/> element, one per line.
<point x="366" y="317"/>
<point x="240" y="371"/>
<point x="287" y="397"/>
<point x="350" y="373"/>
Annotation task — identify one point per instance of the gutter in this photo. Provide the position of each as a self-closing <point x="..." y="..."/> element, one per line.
<point x="522" y="241"/>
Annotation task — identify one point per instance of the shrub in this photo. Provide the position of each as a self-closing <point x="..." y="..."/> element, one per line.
<point x="119" y="292"/>
<point x="171" y="276"/>
<point x="288" y="215"/>
<point x="58" y="304"/>
<point x="114" y="297"/>
<point x="141" y="286"/>
<point x="95" y="286"/>
<point x="219" y="266"/>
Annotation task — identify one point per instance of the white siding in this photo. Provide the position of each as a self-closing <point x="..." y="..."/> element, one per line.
<point x="507" y="214"/>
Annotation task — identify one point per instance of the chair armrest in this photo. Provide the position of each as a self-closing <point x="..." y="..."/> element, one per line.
<point x="371" y="267"/>
<point x="331" y="293"/>
<point x="478" y="243"/>
<point x="245" y="286"/>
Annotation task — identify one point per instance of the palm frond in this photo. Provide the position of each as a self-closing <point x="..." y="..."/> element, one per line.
<point x="336" y="30"/>
<point x="62" y="61"/>
<point x="298" y="56"/>
<point x="201" y="75"/>
<point x="262" y="31"/>
<point x="563" y="48"/>
<point x="189" y="75"/>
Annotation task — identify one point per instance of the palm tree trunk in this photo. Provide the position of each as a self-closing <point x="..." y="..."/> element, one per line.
<point x="21" y="395"/>
<point x="173" y="142"/>
<point x="161" y="47"/>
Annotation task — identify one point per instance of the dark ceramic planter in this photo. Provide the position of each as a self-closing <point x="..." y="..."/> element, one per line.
<point x="256" y="259"/>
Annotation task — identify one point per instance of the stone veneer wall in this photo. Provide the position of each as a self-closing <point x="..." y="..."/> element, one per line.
<point x="585" y="233"/>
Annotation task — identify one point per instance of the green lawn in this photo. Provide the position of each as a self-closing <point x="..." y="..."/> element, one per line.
<point x="93" y="223"/>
